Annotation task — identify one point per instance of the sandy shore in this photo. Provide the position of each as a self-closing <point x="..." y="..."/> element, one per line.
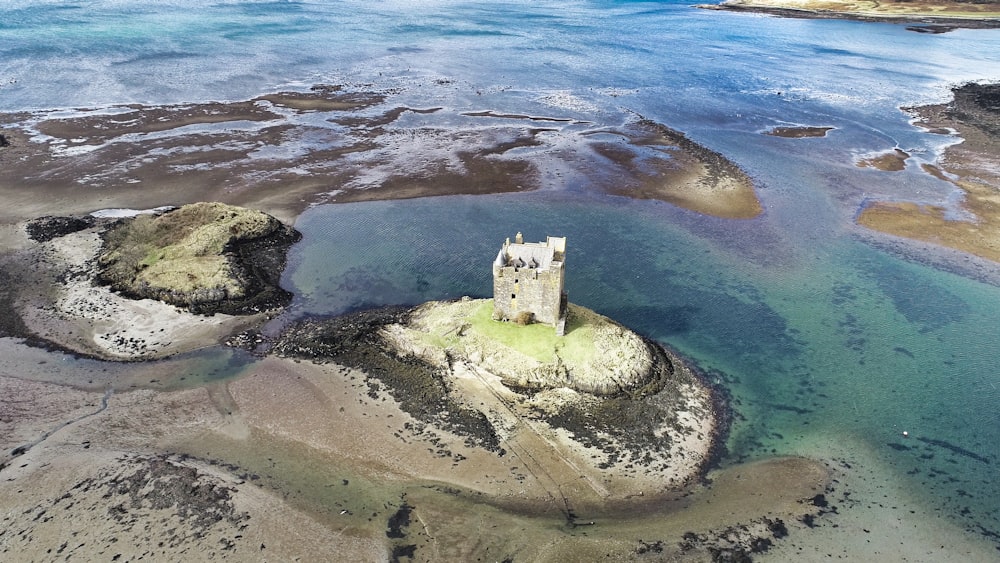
<point x="64" y="308"/>
<point x="932" y="16"/>
<point x="692" y="176"/>
<point x="969" y="165"/>
<point x="97" y="486"/>
<point x="302" y="460"/>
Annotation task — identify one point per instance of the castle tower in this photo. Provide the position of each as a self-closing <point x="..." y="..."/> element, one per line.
<point x="528" y="282"/>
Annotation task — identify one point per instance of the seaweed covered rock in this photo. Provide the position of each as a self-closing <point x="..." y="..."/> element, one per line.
<point x="44" y="229"/>
<point x="208" y="257"/>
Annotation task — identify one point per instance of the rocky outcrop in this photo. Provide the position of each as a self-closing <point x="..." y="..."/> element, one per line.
<point x="207" y="257"/>
<point x="49" y="227"/>
<point x="623" y="405"/>
<point x="596" y="356"/>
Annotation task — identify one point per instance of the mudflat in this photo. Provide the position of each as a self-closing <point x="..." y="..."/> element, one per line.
<point x="969" y="165"/>
<point x="298" y="459"/>
<point x="282" y="152"/>
<point x="303" y="455"/>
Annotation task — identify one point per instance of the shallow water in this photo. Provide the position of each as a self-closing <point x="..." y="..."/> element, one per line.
<point x="851" y="344"/>
<point x="823" y="340"/>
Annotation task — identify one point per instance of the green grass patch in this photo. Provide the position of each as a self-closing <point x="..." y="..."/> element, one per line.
<point x="181" y="250"/>
<point x="537" y="340"/>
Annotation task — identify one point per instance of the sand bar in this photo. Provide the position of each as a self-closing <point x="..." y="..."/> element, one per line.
<point x="970" y="166"/>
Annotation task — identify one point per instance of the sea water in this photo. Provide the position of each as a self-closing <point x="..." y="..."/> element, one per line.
<point x="848" y="344"/>
<point x="826" y="342"/>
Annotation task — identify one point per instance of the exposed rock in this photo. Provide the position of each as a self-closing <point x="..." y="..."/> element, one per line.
<point x="597" y="355"/>
<point x="356" y="341"/>
<point x="208" y="257"/>
<point x="625" y="404"/>
<point x="47" y="228"/>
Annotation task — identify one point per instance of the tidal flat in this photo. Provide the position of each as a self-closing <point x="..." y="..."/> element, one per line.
<point x="511" y="463"/>
<point x="404" y="144"/>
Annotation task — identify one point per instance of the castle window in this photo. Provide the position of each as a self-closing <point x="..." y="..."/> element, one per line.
<point x="512" y="296"/>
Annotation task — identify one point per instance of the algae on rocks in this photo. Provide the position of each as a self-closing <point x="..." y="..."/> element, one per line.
<point x="203" y="256"/>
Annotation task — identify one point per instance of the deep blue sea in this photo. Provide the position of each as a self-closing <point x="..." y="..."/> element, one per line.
<point x="830" y="345"/>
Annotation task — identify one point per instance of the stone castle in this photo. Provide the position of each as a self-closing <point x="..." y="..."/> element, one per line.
<point x="528" y="282"/>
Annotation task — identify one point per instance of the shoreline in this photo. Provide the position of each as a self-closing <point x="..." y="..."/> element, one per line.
<point x="233" y="434"/>
<point x="972" y="224"/>
<point x="66" y="309"/>
<point x="928" y="22"/>
<point x="286" y="151"/>
<point x="462" y="393"/>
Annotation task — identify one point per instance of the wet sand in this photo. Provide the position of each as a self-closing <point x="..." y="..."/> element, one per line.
<point x="306" y="460"/>
<point x="930" y="16"/>
<point x="891" y="161"/>
<point x="282" y="152"/>
<point x="670" y="167"/>
<point x="63" y="307"/>
<point x="970" y="166"/>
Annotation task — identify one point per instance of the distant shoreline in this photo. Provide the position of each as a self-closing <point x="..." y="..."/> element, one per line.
<point x="933" y="23"/>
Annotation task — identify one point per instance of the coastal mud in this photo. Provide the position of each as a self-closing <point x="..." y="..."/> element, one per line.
<point x="93" y="489"/>
<point x="298" y="458"/>
<point x="284" y="151"/>
<point x="969" y="166"/>
<point x="657" y="162"/>
<point x="940" y="15"/>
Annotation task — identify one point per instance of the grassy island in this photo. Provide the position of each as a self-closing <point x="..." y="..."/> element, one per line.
<point x="188" y="256"/>
<point x="603" y="401"/>
<point x="596" y="355"/>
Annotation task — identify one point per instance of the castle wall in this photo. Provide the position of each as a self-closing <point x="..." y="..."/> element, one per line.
<point x="527" y="289"/>
<point x="518" y="287"/>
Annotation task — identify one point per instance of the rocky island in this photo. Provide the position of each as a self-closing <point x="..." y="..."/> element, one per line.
<point x="610" y="406"/>
<point x="378" y="434"/>
<point x="528" y="370"/>
<point x="126" y="285"/>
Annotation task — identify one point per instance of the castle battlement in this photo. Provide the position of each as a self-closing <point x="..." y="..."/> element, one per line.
<point x="528" y="282"/>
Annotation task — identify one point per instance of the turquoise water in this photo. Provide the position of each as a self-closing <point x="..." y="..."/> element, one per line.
<point x="820" y="337"/>
<point x="849" y="342"/>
